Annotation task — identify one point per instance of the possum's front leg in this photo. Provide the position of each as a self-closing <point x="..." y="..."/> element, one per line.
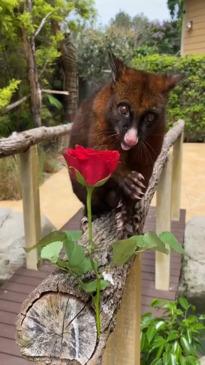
<point x="133" y="185"/>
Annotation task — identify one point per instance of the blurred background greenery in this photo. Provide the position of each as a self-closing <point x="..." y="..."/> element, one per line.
<point x="52" y="46"/>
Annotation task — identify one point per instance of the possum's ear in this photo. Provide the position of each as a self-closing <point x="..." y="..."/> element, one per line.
<point x="170" y="81"/>
<point x="117" y="66"/>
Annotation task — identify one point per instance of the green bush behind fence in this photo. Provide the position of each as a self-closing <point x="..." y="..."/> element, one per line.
<point x="187" y="100"/>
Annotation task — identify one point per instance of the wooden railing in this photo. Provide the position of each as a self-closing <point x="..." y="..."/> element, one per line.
<point x="25" y="144"/>
<point x="168" y="199"/>
<point x="167" y="196"/>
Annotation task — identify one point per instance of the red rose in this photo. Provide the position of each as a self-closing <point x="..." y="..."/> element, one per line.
<point x="93" y="165"/>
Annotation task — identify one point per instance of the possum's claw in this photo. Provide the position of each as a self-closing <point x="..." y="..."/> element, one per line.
<point x="133" y="185"/>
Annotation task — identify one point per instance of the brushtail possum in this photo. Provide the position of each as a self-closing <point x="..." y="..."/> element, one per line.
<point x="127" y="114"/>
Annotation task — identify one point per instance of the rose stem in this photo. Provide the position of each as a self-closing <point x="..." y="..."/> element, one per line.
<point x="90" y="231"/>
<point x="91" y="249"/>
<point x="97" y="308"/>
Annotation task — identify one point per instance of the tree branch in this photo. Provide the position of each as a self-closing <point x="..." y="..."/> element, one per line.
<point x="20" y="142"/>
<point x="43" y="21"/>
<point x="48" y="91"/>
<point x="11" y="106"/>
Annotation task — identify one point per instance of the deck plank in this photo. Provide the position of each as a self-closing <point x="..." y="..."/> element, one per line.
<point x="6" y="359"/>
<point x="15" y="290"/>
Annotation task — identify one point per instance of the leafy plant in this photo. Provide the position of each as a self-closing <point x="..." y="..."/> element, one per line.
<point x="47" y="24"/>
<point x="6" y="93"/>
<point x="174" y="338"/>
<point x="141" y="37"/>
<point x="186" y="100"/>
<point x="79" y="261"/>
<point x="10" y="187"/>
<point x="123" y="250"/>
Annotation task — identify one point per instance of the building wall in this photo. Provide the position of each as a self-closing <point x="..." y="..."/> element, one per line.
<point x="193" y="40"/>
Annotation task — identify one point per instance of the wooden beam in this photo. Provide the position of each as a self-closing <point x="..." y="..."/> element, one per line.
<point x="20" y="142"/>
<point x="163" y="223"/>
<point x="123" y="346"/>
<point x="31" y="203"/>
<point x="60" y="92"/>
<point x="177" y="177"/>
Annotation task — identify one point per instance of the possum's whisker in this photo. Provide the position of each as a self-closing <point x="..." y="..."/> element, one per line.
<point x="151" y="152"/>
<point x="147" y="152"/>
<point x="150" y="147"/>
<point x="108" y="135"/>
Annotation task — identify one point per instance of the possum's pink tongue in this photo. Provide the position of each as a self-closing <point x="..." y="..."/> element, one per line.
<point x="130" y="139"/>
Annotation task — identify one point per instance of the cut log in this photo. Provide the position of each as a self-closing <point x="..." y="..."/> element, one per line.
<point x="57" y="322"/>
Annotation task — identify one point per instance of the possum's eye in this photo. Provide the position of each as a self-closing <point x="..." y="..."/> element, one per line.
<point x="124" y="110"/>
<point x="149" y="118"/>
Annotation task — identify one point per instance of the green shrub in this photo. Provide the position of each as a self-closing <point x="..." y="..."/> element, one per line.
<point x="187" y="100"/>
<point x="10" y="180"/>
<point x="173" y="338"/>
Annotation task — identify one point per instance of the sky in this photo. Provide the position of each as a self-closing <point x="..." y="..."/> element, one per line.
<point x="153" y="9"/>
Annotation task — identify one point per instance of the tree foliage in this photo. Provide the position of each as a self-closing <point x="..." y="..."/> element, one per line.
<point x="175" y="8"/>
<point x="127" y="37"/>
<point x="173" y="338"/>
<point x="186" y="100"/>
<point x="20" y="19"/>
<point x="122" y="20"/>
<point x="7" y="92"/>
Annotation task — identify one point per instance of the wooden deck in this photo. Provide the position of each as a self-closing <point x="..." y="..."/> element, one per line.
<point x="14" y="291"/>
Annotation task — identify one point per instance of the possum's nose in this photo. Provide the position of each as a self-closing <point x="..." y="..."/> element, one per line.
<point x="131" y="137"/>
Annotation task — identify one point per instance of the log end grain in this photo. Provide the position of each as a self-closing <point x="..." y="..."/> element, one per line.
<point x="57" y="326"/>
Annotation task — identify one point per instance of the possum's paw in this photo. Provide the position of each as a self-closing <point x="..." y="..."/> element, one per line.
<point x="133" y="185"/>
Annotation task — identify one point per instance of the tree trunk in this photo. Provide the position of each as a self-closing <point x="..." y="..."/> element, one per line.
<point x="70" y="76"/>
<point x="35" y="91"/>
<point x="69" y="63"/>
<point x="57" y="323"/>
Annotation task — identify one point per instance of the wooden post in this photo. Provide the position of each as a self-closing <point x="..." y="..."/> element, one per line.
<point x="176" y="177"/>
<point x="31" y="202"/>
<point x="163" y="223"/>
<point x="123" y="346"/>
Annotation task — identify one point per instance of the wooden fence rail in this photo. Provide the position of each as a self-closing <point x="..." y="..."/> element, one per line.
<point x="25" y="144"/>
<point x="168" y="208"/>
<point x="20" y="142"/>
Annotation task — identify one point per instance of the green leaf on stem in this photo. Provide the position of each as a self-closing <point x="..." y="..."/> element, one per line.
<point x="174" y="335"/>
<point x="91" y="286"/>
<point x="73" y="235"/>
<point x="153" y="241"/>
<point x="51" y="251"/>
<point x="51" y="237"/>
<point x="184" y="303"/>
<point x="123" y="250"/>
<point x="151" y="333"/>
<point x="170" y="240"/>
<point x="186" y="346"/>
<point x="78" y="262"/>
